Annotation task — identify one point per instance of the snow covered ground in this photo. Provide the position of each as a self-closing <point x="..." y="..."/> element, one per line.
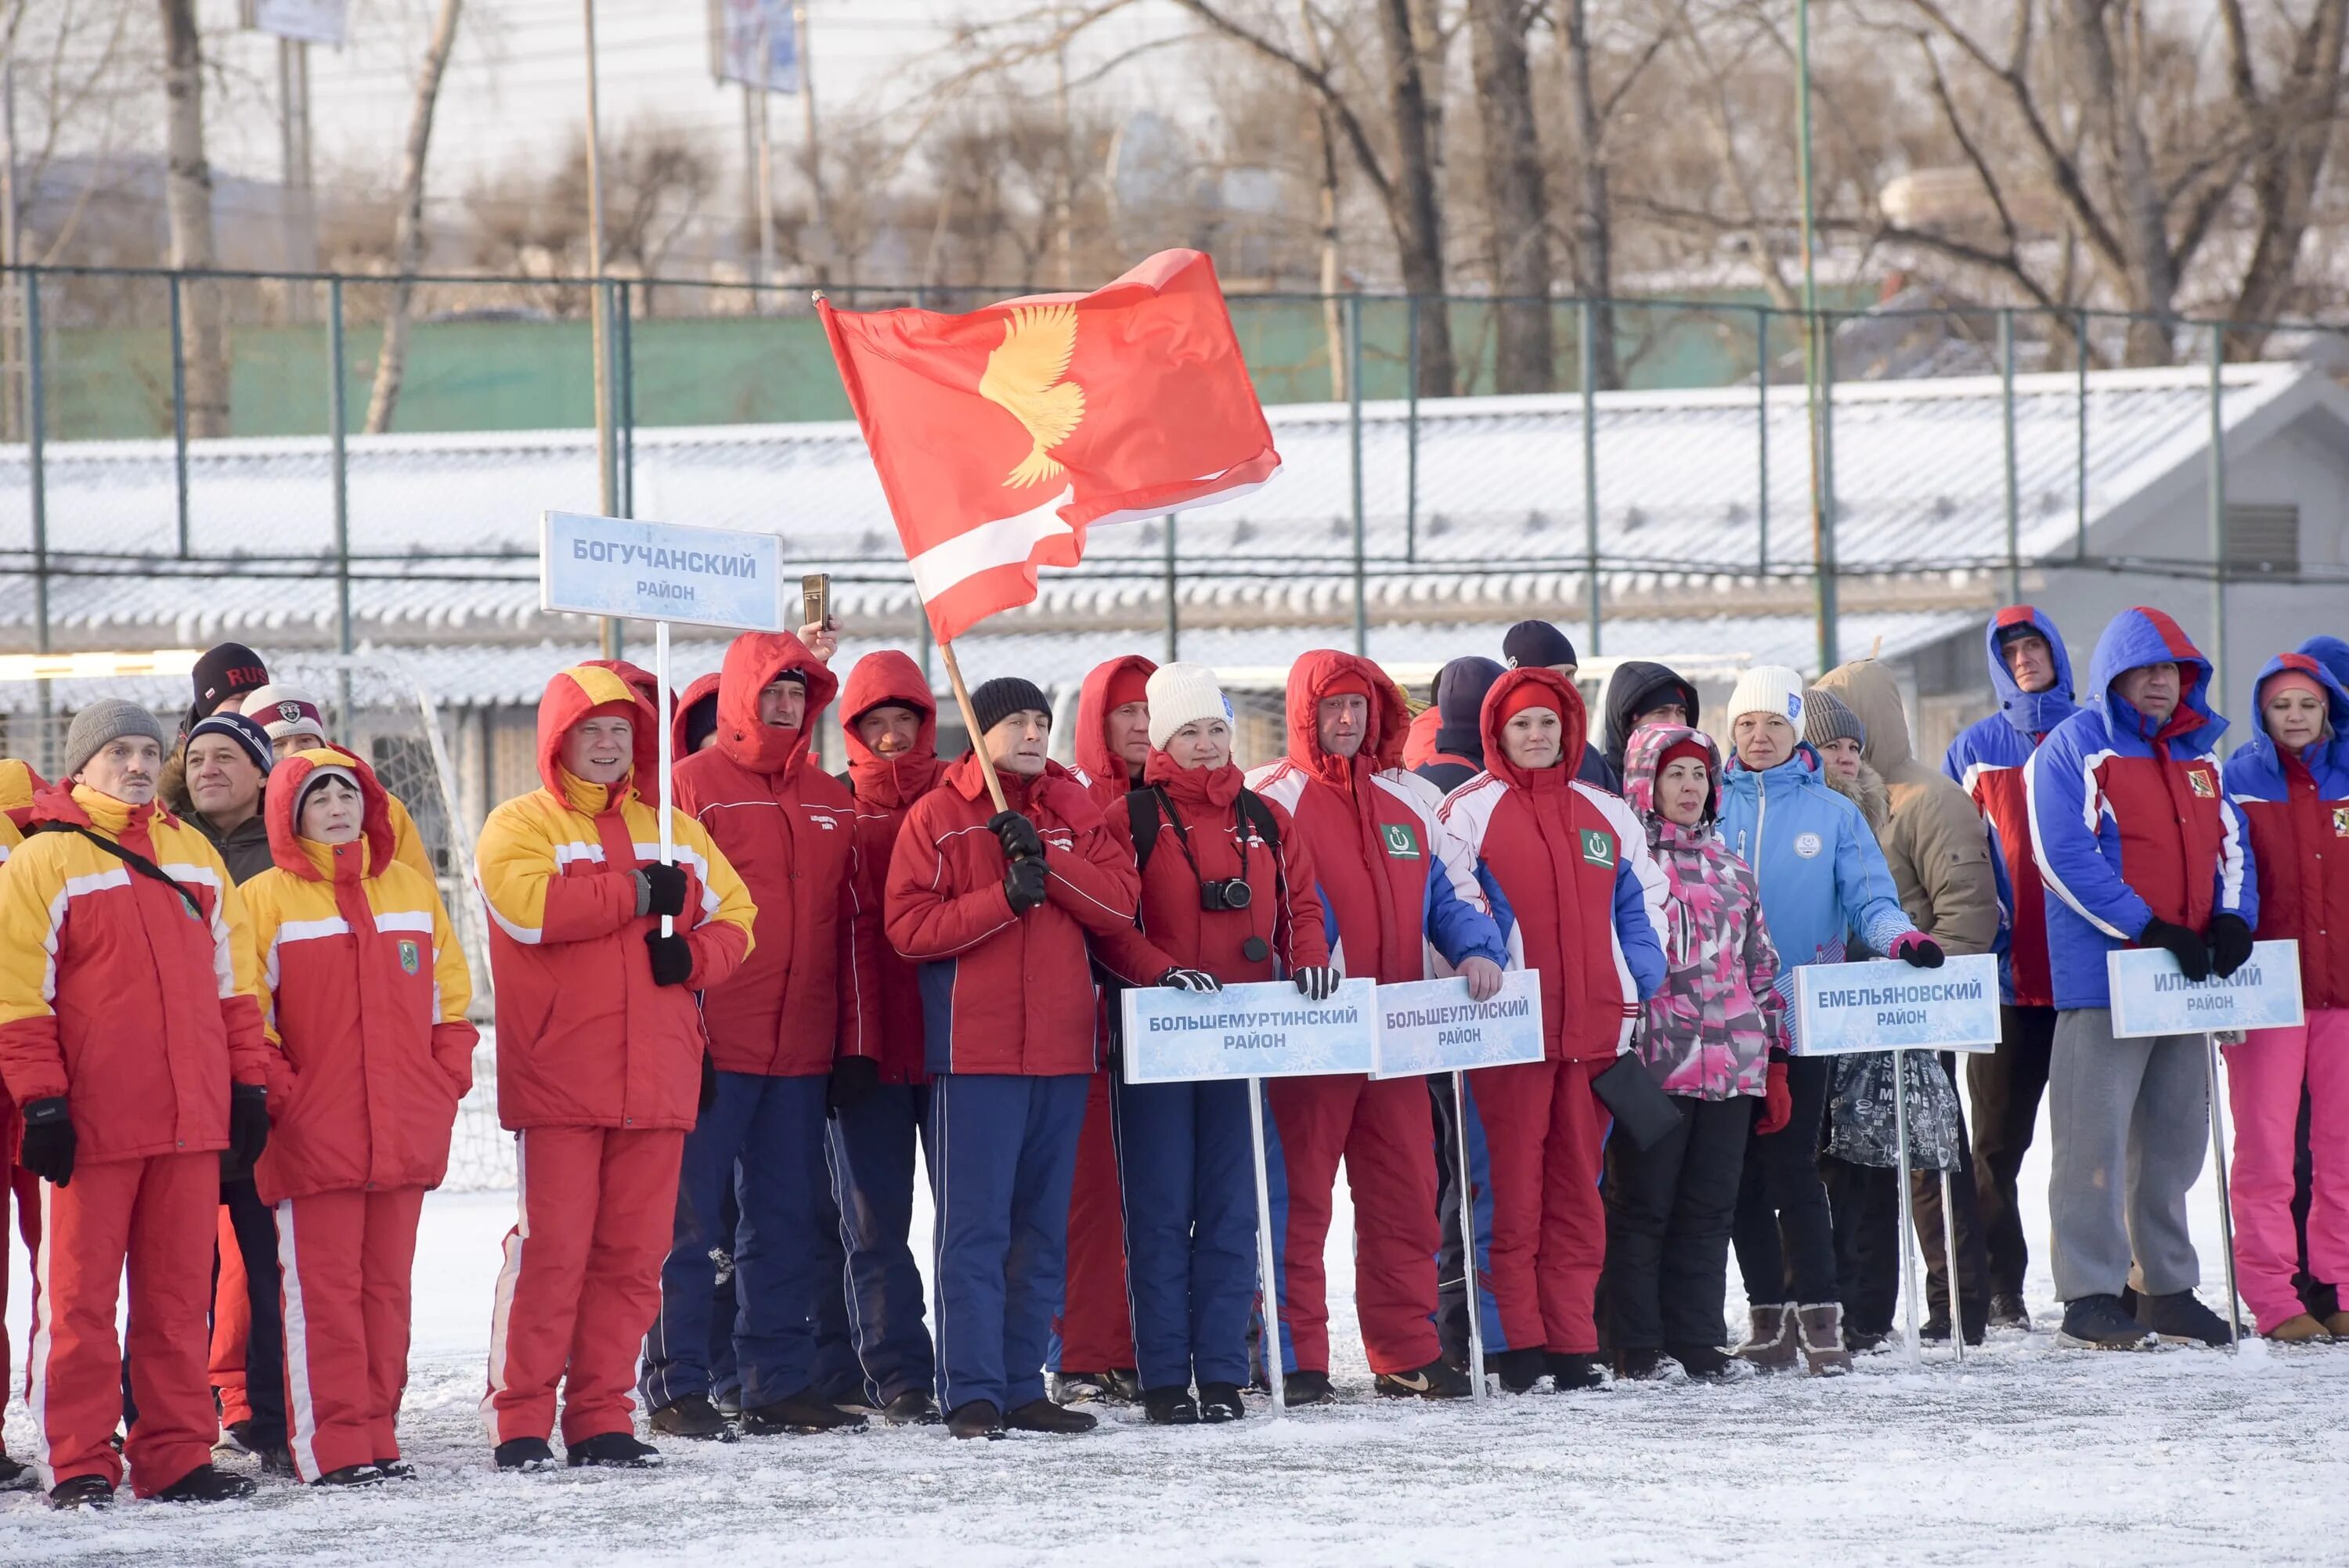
<point x="2024" y="1455"/>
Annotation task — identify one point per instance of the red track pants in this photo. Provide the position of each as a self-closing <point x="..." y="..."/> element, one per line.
<point x="581" y="1283"/>
<point x="156" y="1217"/>
<point x="232" y="1322"/>
<point x="1094" y="1330"/>
<point x="1541" y="1135"/>
<point x="1385" y="1131"/>
<point x="25" y="1189"/>
<point x="345" y="1259"/>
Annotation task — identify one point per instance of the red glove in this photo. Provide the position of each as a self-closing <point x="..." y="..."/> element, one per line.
<point x="1777" y="1103"/>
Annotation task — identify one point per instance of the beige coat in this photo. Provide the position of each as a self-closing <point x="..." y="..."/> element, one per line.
<point x="1935" y="842"/>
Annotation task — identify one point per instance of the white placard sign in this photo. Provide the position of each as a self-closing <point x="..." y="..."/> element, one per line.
<point x="662" y="571"/>
<point x="1840" y="1009"/>
<point x="2151" y="997"/>
<point x="1261" y="1030"/>
<point x="756" y="43"/>
<point x="1432" y="1026"/>
<point x="306" y="21"/>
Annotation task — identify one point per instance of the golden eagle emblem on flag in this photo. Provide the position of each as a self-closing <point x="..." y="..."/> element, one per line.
<point x="1026" y="376"/>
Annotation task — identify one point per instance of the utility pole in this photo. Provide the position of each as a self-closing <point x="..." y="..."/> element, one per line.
<point x="12" y="424"/>
<point x="765" y="204"/>
<point x="298" y="208"/>
<point x="820" y="241"/>
<point x="1064" y="181"/>
<point x="605" y="471"/>
<point x="1814" y="350"/>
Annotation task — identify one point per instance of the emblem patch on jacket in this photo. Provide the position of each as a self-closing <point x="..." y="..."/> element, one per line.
<point x="2341" y="821"/>
<point x="411" y="957"/>
<point x="1807" y="845"/>
<point x="1597" y="846"/>
<point x="1402" y="839"/>
<point x="2203" y="786"/>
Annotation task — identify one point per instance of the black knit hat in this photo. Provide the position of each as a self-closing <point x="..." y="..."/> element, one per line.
<point x="228" y="670"/>
<point x="1001" y="697"/>
<point x="1537" y="645"/>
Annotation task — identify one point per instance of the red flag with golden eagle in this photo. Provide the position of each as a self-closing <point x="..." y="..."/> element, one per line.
<point x="1001" y="435"/>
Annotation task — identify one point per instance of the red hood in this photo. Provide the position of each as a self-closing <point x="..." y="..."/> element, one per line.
<point x="1563" y="697"/>
<point x="1308" y="680"/>
<point x="890" y="676"/>
<point x="1091" y="747"/>
<point x="571" y="696"/>
<point x="704" y="689"/>
<point x="286" y="851"/>
<point x="1419" y="740"/>
<point x="753" y="660"/>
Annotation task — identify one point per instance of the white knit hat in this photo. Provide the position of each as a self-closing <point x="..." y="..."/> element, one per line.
<point x="1768" y="688"/>
<point x="284" y="710"/>
<point x="1180" y="694"/>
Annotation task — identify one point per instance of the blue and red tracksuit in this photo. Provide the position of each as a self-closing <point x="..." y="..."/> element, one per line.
<point x="1009" y="1028"/>
<point x="1398" y="890"/>
<point x="1986" y="759"/>
<point x="2130" y="820"/>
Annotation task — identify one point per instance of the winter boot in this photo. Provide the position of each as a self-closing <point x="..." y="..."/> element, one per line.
<point x="1439" y="1380"/>
<point x="728" y="1402"/>
<point x="1864" y="1341"/>
<point x="1220" y="1402"/>
<point x="82" y="1492"/>
<point x="1170" y="1407"/>
<point x="1122" y="1386"/>
<point x="1708" y="1362"/>
<point x="914" y="1407"/>
<point x="2337" y="1325"/>
<point x="1518" y="1370"/>
<point x="1043" y="1416"/>
<point x="1111" y="1387"/>
<point x="1821" y="1329"/>
<point x="1571" y="1371"/>
<point x="351" y="1476"/>
<point x="395" y="1469"/>
<point x="2299" y="1329"/>
<point x="693" y="1417"/>
<point x="1640" y="1364"/>
<point x="612" y="1450"/>
<point x="2180" y="1318"/>
<point x="978" y="1418"/>
<point x="1300" y="1388"/>
<point x="525" y="1454"/>
<point x="802" y="1412"/>
<point x="2099" y="1322"/>
<point x="1770" y="1342"/>
<point x="206" y="1484"/>
<point x="2007" y="1311"/>
<point x="14" y="1475"/>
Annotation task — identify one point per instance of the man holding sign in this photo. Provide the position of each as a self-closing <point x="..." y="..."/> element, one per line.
<point x="2139" y="845"/>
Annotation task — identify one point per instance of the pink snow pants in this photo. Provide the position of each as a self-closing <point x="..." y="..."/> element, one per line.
<point x="2264" y="1076"/>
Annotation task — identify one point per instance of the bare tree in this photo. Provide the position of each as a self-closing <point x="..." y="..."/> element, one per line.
<point x="188" y="196"/>
<point x="408" y="235"/>
<point x="1516" y="197"/>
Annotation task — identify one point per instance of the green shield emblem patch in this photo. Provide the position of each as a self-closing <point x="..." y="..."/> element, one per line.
<point x="1597" y="846"/>
<point x="1402" y="839"/>
<point x="411" y="956"/>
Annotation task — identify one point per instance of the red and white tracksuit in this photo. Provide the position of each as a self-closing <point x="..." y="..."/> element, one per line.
<point x="599" y="1069"/>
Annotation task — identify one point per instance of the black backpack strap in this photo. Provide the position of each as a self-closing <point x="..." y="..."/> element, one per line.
<point x="129" y="856"/>
<point x="1257" y="812"/>
<point x="1143" y="813"/>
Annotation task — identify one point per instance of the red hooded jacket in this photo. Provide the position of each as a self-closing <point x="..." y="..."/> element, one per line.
<point x="886" y="789"/>
<point x="1105" y="775"/>
<point x="1005" y="993"/>
<point x="701" y="689"/>
<point x="368" y="991"/>
<point x="806" y="992"/>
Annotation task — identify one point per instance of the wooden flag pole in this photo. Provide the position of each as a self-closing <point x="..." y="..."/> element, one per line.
<point x="970" y="722"/>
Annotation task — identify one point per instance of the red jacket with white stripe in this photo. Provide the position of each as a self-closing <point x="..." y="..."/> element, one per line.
<point x="886" y="789"/>
<point x="117" y="994"/>
<point x="806" y="992"/>
<point x="584" y="1037"/>
<point x="1006" y="993"/>
<point x="367" y="993"/>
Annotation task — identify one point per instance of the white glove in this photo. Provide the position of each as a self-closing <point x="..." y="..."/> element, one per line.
<point x="1318" y="982"/>
<point x="1182" y="979"/>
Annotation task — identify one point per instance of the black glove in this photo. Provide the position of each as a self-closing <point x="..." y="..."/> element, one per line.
<point x="248" y="1126"/>
<point x="854" y="1079"/>
<point x="709" y="1082"/>
<point x="2192" y="954"/>
<point x="660" y="890"/>
<point x="672" y="959"/>
<point x="1023" y="886"/>
<point x="1318" y="982"/>
<point x="50" y="1140"/>
<point x="1018" y="836"/>
<point x="2230" y="945"/>
<point x="1918" y="951"/>
<point x="1178" y="978"/>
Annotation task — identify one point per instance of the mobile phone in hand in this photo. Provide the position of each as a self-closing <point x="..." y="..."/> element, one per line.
<point x="815" y="599"/>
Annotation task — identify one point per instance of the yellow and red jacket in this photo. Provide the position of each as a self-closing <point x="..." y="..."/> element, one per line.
<point x="119" y="993"/>
<point x="366" y="992"/>
<point x="584" y="1037"/>
<point x="18" y="785"/>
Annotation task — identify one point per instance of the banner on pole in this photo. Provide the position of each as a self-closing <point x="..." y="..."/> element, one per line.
<point x="756" y="43"/>
<point x="2151" y="996"/>
<point x="1840" y="1009"/>
<point x="1262" y="1030"/>
<point x="303" y="21"/>
<point x="1434" y="1027"/>
<point x="662" y="571"/>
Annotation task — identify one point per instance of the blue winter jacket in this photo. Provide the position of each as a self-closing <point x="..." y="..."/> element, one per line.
<point x="2130" y="820"/>
<point x="1822" y="873"/>
<point x="2332" y="653"/>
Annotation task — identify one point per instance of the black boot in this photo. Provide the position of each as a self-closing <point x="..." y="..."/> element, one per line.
<point x="1170" y="1407"/>
<point x="802" y="1412"/>
<point x="1439" y="1380"/>
<point x="1572" y="1369"/>
<point x="350" y="1476"/>
<point x="914" y="1407"/>
<point x="1300" y="1388"/>
<point x="1518" y="1370"/>
<point x="14" y="1475"/>
<point x="1707" y="1363"/>
<point x="2007" y="1311"/>
<point x="2100" y="1322"/>
<point x="1220" y="1402"/>
<point x="693" y="1417"/>
<point x="1043" y="1416"/>
<point x="612" y="1450"/>
<point x="1640" y="1363"/>
<point x="978" y="1418"/>
<point x="206" y="1484"/>
<point x="82" y="1492"/>
<point x="395" y="1469"/>
<point x="2180" y="1318"/>
<point x="525" y="1454"/>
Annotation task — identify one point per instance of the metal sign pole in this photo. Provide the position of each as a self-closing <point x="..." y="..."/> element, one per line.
<point x="1274" y="1362"/>
<point x="2226" y="1203"/>
<point x="1468" y="1241"/>
<point x="661" y="727"/>
<point x="1949" y="1267"/>
<point x="1908" y="1215"/>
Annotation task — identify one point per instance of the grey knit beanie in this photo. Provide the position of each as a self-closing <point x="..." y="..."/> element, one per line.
<point x="108" y="719"/>
<point x="1825" y="718"/>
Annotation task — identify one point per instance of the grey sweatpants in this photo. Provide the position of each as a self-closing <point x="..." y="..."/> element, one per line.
<point x="2129" y="1120"/>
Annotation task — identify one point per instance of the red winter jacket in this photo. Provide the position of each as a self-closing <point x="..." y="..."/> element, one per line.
<point x="806" y="992"/>
<point x="1105" y="776"/>
<point x="2298" y="811"/>
<point x="1570" y="879"/>
<point x="886" y="789"/>
<point x="1003" y="993"/>
<point x="368" y="991"/>
<point x="1392" y="878"/>
<point x="702" y="688"/>
<point x="1175" y="931"/>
